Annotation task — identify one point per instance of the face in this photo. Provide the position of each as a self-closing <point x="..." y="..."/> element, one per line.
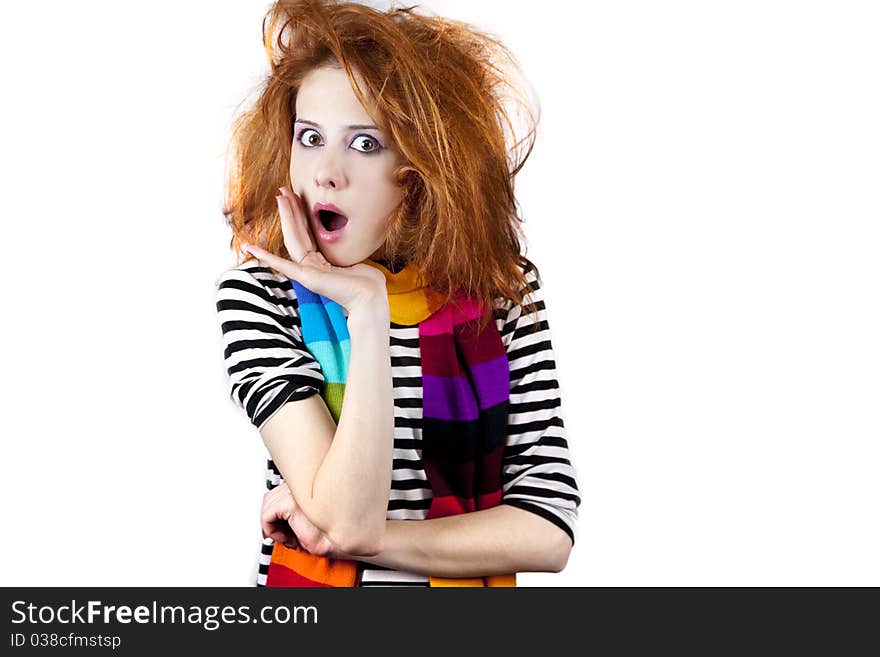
<point x="339" y="157"/>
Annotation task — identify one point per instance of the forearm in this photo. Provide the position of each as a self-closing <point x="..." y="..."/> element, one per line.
<point x="496" y="541"/>
<point x="354" y="478"/>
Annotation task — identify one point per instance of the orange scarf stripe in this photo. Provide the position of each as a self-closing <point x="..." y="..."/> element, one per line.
<point x="334" y="572"/>
<point x="490" y="580"/>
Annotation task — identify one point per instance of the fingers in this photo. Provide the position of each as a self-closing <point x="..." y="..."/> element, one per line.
<point x="326" y="280"/>
<point x="269" y="524"/>
<point x="283" y="521"/>
<point x="347" y="286"/>
<point x="305" y="273"/>
<point x="275" y="513"/>
<point x="282" y="534"/>
<point x="286" y="267"/>
<point x="294" y="224"/>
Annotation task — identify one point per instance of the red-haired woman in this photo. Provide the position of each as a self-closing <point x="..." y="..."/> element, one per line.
<point x="386" y="336"/>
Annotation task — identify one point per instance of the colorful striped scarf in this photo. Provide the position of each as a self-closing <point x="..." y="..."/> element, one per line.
<point x="466" y="390"/>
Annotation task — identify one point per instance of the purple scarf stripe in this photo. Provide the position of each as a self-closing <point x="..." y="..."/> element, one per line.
<point x="452" y="398"/>
<point x="448" y="398"/>
<point x="491" y="381"/>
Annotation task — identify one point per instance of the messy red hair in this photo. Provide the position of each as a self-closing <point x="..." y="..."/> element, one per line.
<point x="442" y="90"/>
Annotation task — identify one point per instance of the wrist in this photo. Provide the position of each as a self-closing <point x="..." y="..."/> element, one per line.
<point x="371" y="311"/>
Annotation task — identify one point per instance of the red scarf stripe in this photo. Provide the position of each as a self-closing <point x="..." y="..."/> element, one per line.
<point x="281" y="576"/>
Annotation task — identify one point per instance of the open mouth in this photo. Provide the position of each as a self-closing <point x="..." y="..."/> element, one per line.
<point x="332" y="221"/>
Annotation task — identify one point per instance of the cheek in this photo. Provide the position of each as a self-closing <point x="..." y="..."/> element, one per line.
<point x="383" y="195"/>
<point x="297" y="170"/>
<point x="301" y="166"/>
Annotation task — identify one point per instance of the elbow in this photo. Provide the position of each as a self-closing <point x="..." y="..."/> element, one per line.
<point x="561" y="560"/>
<point x="558" y="551"/>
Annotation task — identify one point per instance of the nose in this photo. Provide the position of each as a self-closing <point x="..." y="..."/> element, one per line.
<point x="329" y="172"/>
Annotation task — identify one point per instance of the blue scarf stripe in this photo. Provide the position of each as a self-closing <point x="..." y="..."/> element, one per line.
<point x="325" y="332"/>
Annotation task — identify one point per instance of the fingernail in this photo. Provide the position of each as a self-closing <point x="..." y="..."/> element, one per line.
<point x="278" y="198"/>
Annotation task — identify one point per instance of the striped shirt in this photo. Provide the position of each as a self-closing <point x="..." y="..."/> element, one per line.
<point x="268" y="365"/>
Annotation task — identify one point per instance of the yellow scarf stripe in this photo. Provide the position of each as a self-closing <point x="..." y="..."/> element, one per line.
<point x="409" y="299"/>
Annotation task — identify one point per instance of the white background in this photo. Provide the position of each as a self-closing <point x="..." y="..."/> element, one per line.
<point x="702" y="203"/>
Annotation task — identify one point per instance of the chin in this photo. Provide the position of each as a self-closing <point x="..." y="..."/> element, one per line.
<point x="341" y="259"/>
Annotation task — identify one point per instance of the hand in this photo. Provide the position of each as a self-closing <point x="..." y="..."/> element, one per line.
<point x="351" y="287"/>
<point x="283" y="521"/>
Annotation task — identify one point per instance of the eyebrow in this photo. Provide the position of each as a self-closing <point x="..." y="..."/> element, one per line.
<point x="349" y="127"/>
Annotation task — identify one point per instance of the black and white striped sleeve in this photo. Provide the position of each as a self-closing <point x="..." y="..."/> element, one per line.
<point x="538" y="474"/>
<point x="266" y="359"/>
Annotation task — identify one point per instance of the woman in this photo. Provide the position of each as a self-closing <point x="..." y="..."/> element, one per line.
<point x="381" y="342"/>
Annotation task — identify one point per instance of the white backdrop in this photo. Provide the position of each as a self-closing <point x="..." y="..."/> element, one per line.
<point x="702" y="203"/>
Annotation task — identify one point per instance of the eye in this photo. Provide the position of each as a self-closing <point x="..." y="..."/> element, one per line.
<point x="312" y="138"/>
<point x="368" y="144"/>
